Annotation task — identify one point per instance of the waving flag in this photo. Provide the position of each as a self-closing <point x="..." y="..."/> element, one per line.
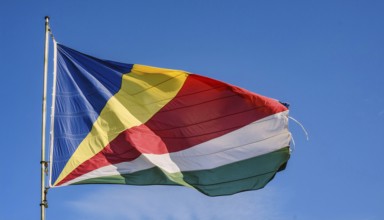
<point x="140" y="125"/>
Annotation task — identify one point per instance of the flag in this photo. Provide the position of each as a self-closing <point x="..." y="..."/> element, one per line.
<point x="132" y="124"/>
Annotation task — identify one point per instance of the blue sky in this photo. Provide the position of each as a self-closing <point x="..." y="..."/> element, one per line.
<point x="326" y="58"/>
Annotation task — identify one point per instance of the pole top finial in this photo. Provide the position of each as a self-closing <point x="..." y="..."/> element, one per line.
<point x="46" y="17"/>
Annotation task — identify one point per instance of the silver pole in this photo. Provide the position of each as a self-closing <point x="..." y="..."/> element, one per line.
<point x="43" y="162"/>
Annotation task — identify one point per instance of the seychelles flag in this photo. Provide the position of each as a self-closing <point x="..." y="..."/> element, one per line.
<point x="132" y="124"/>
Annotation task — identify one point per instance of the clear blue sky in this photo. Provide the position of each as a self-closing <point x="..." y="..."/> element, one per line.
<point x="326" y="58"/>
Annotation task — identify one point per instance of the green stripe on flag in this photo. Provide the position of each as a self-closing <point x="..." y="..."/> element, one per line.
<point x="250" y="174"/>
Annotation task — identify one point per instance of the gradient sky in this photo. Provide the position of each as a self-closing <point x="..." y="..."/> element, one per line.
<point x="325" y="58"/>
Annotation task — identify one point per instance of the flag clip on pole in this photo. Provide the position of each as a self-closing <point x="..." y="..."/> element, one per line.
<point x="43" y="162"/>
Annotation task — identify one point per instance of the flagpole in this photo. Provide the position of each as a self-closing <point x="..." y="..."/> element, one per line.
<point x="43" y="162"/>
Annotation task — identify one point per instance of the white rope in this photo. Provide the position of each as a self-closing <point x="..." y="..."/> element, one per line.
<point x="51" y="34"/>
<point x="293" y="144"/>
<point x="302" y="127"/>
<point x="53" y="109"/>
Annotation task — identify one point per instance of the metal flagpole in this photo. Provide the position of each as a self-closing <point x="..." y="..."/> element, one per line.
<point x="43" y="162"/>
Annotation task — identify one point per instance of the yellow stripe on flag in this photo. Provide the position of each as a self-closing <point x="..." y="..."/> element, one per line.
<point x="144" y="91"/>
